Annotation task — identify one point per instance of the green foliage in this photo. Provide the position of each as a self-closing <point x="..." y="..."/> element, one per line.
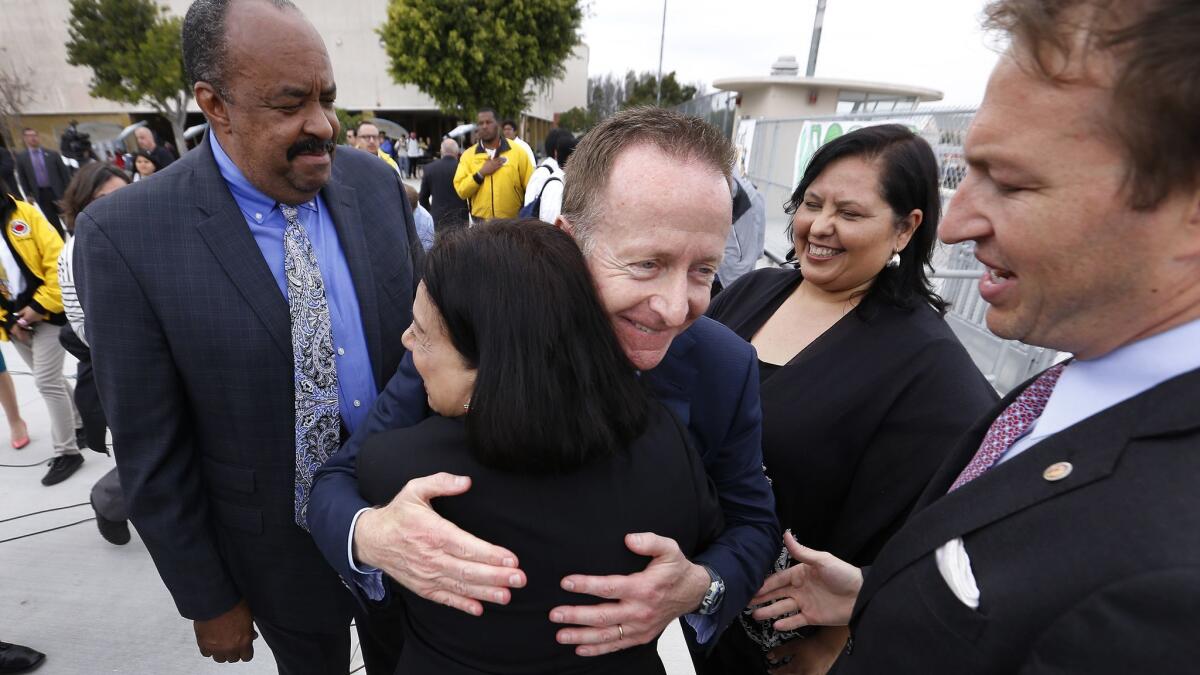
<point x="347" y="121"/>
<point x="133" y="49"/>
<point x="643" y="90"/>
<point x="577" y="120"/>
<point x="467" y="54"/>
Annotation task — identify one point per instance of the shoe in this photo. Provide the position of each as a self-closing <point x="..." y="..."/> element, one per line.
<point x="18" y="659"/>
<point x="23" y="440"/>
<point x="20" y="443"/>
<point x="61" y="468"/>
<point x="114" y="531"/>
<point x="81" y="439"/>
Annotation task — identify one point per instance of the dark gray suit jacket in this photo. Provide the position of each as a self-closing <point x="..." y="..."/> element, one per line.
<point x="1098" y="572"/>
<point x="56" y="171"/>
<point x="191" y="343"/>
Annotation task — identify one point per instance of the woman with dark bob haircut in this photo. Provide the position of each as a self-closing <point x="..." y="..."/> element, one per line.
<point x="567" y="453"/>
<point x="864" y="386"/>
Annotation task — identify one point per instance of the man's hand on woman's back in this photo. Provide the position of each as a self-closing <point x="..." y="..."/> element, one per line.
<point x="432" y="557"/>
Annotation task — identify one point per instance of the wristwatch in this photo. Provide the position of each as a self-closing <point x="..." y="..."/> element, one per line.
<point x="716" y="592"/>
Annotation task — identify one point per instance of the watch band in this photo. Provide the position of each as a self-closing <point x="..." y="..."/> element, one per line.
<point x="716" y="592"/>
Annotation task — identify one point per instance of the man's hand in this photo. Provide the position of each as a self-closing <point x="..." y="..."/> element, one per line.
<point x="429" y="555"/>
<point x="229" y="638"/>
<point x="819" y="591"/>
<point x="27" y="316"/>
<point x="668" y="588"/>
<point x="491" y="166"/>
<point x="813" y="655"/>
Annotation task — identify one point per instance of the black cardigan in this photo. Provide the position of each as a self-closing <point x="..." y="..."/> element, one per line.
<point x="856" y="424"/>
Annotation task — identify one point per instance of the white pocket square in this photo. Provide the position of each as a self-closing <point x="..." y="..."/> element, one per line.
<point x="955" y="566"/>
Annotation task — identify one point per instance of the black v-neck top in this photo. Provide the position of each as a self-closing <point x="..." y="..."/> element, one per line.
<point x="855" y="425"/>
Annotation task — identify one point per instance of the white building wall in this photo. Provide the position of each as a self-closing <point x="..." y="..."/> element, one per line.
<point x="33" y="36"/>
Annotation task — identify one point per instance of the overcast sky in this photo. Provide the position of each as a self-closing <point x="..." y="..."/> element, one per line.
<point x="929" y="43"/>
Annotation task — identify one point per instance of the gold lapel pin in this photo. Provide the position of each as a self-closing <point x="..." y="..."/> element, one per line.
<point x="1057" y="471"/>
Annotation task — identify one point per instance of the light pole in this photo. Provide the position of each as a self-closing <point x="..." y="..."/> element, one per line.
<point x="816" y="39"/>
<point x="661" y="40"/>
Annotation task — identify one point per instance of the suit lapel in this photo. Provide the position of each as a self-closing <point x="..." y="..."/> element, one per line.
<point x="672" y="380"/>
<point x="1093" y="447"/>
<point x="224" y="229"/>
<point x="343" y="207"/>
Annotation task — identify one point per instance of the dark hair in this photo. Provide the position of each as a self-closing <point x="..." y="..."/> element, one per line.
<point x="83" y="185"/>
<point x="1155" y="88"/>
<point x="146" y="156"/>
<point x="908" y="179"/>
<point x="485" y="109"/>
<point x="509" y="123"/>
<point x="204" y="42"/>
<point x="564" y="148"/>
<point x="553" y="389"/>
<point x="551" y="141"/>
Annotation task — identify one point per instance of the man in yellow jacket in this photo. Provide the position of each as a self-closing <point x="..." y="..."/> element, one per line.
<point x="493" y="173"/>
<point x="31" y="315"/>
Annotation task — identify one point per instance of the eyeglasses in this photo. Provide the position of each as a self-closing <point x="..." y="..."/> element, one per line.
<point x="368" y="137"/>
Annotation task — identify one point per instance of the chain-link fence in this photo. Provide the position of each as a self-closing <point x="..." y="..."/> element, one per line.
<point x="774" y="152"/>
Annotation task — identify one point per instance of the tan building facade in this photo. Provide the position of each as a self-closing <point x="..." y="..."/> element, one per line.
<point x="33" y="36"/>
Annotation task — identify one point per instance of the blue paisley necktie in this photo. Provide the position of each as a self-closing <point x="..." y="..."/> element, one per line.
<point x="318" y="418"/>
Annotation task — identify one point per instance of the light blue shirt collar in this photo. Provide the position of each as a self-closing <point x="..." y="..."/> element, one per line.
<point x="251" y="201"/>
<point x="1088" y="387"/>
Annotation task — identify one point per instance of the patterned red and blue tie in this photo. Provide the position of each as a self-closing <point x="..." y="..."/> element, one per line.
<point x="1012" y="424"/>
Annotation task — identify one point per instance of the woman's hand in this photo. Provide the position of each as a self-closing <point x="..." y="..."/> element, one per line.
<point x="819" y="591"/>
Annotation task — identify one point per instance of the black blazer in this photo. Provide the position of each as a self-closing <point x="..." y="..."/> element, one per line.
<point x="1098" y="572"/>
<point x="191" y="343"/>
<point x="55" y="170"/>
<point x="557" y="525"/>
<point x="448" y="209"/>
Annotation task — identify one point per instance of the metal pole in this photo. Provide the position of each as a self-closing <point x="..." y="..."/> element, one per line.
<point x="661" y="40"/>
<point x="816" y="39"/>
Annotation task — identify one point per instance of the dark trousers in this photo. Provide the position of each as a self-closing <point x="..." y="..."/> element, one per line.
<point x="49" y="203"/>
<point x="87" y="396"/>
<point x="381" y="637"/>
<point x="298" y="653"/>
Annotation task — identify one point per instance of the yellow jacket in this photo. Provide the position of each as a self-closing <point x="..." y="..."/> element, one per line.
<point x="501" y="194"/>
<point x="36" y="246"/>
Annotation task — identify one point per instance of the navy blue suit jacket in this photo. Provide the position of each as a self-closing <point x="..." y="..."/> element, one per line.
<point x="192" y="349"/>
<point x="708" y="379"/>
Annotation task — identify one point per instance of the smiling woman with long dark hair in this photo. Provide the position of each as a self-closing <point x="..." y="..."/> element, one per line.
<point x="567" y="453"/>
<point x="864" y="386"/>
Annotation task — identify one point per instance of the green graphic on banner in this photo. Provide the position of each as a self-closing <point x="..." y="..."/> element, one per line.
<point x="815" y="134"/>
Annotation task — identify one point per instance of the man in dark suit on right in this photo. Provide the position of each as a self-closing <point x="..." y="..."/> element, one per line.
<point x="1062" y="534"/>
<point x="43" y="176"/>
<point x="448" y="209"/>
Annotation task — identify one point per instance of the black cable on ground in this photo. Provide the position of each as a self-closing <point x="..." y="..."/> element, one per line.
<point x="34" y="513"/>
<point x="26" y="466"/>
<point x="60" y="527"/>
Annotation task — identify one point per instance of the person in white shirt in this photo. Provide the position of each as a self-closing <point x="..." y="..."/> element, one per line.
<point x="548" y="180"/>
<point x="94" y="181"/>
<point x="412" y="149"/>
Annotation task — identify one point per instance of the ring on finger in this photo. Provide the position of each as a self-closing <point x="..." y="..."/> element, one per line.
<point x="620" y="632"/>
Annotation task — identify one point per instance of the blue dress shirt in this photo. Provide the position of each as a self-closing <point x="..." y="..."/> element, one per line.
<point x="356" y="383"/>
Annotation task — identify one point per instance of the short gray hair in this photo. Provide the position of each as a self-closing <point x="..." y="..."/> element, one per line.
<point x="205" y="52"/>
<point x="449" y="147"/>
